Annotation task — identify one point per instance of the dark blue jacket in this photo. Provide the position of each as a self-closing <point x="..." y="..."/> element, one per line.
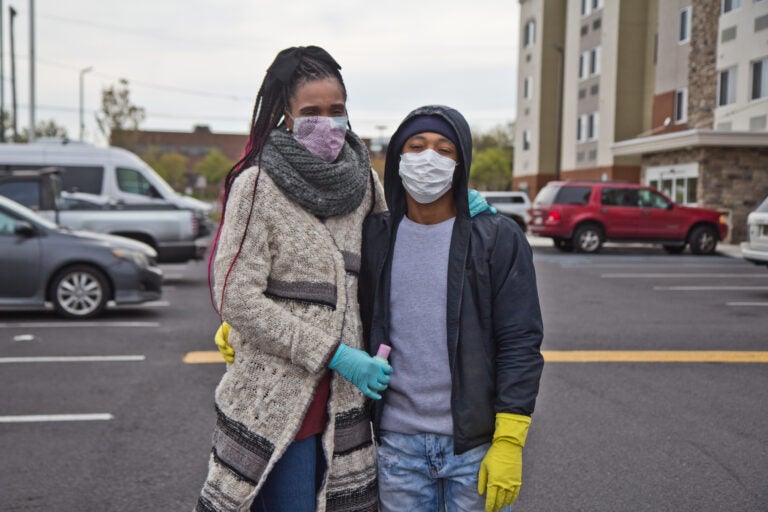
<point x="493" y="315"/>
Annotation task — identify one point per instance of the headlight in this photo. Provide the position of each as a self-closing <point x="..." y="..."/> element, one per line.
<point x="137" y="257"/>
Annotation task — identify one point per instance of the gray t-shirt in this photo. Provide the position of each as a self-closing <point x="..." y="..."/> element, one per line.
<point x="419" y="396"/>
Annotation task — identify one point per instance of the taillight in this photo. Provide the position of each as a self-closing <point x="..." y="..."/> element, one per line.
<point x="554" y="216"/>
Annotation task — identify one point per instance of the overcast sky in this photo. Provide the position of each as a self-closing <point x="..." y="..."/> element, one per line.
<point x="194" y="62"/>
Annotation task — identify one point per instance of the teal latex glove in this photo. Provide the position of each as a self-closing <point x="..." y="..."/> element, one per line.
<point x="478" y="204"/>
<point x="367" y="373"/>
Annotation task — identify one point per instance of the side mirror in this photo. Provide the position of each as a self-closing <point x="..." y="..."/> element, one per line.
<point x="24" y="228"/>
<point x="670" y="206"/>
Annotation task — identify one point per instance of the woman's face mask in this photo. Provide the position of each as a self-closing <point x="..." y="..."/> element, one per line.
<point x="426" y="175"/>
<point x="322" y="136"/>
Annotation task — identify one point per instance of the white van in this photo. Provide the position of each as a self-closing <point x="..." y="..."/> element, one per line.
<point x="111" y="172"/>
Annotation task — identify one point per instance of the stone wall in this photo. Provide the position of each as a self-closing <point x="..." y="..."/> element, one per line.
<point x="702" y="68"/>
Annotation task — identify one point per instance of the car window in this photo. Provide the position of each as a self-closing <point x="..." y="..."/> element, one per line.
<point x="133" y="182"/>
<point x="619" y="197"/>
<point x="650" y="199"/>
<point x="7" y="224"/>
<point x="763" y="206"/>
<point x="499" y="199"/>
<point x="546" y="195"/>
<point x="573" y="195"/>
<point x="82" y="179"/>
<point x="23" y="192"/>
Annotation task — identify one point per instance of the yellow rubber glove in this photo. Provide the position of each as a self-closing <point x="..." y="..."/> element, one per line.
<point x="501" y="471"/>
<point x="222" y="335"/>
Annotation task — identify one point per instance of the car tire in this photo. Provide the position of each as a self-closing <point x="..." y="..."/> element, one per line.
<point x="703" y="240"/>
<point x="674" y="249"/>
<point x="588" y="239"/>
<point x="80" y="291"/>
<point x="563" y="244"/>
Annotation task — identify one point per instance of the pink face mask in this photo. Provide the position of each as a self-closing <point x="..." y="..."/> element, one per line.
<point x="322" y="136"/>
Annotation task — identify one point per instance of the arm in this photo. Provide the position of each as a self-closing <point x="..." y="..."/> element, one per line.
<point x="242" y="302"/>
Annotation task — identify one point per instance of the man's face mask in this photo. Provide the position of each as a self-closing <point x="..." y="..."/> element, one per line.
<point x="426" y="175"/>
<point x="322" y="136"/>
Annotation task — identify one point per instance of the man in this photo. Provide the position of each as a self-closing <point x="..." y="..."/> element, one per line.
<point x="456" y="299"/>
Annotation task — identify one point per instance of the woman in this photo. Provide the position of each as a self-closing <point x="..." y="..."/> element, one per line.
<point x="290" y="434"/>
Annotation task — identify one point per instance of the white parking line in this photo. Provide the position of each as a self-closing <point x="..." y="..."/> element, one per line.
<point x="58" y="325"/>
<point x="708" y="288"/>
<point x="672" y="276"/>
<point x="72" y="359"/>
<point x="757" y="304"/>
<point x="143" y="305"/>
<point x="56" y="417"/>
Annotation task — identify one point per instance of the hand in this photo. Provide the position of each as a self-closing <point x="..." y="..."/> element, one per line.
<point x="368" y="374"/>
<point x="501" y="471"/>
<point x="478" y="204"/>
<point x="222" y="335"/>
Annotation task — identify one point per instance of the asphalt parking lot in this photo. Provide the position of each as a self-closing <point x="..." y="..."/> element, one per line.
<point x="107" y="415"/>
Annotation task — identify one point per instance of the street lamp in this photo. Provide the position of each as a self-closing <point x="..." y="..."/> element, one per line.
<point x="82" y="121"/>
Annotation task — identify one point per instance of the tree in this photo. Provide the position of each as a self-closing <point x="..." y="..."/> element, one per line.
<point x="44" y="128"/>
<point x="214" y="166"/>
<point x="493" y="158"/>
<point x="172" y="167"/>
<point x="118" y="113"/>
<point x="491" y="169"/>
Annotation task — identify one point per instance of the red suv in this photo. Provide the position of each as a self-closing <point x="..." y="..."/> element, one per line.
<point x="581" y="215"/>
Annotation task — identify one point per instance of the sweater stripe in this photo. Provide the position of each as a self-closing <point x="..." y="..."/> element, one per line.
<point x="303" y="291"/>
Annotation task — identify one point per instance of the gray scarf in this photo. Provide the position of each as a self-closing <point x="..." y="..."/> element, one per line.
<point x="323" y="189"/>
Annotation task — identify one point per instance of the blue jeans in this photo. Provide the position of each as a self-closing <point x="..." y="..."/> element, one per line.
<point x="420" y="473"/>
<point x="293" y="482"/>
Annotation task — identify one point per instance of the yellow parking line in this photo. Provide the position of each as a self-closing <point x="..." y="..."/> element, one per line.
<point x="592" y="356"/>
<point x="207" y="356"/>
<point x="653" y="356"/>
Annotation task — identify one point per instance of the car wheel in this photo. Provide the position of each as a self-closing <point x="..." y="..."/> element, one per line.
<point x="79" y="292"/>
<point x="674" y="249"/>
<point x="703" y="240"/>
<point x="588" y="238"/>
<point x="563" y="244"/>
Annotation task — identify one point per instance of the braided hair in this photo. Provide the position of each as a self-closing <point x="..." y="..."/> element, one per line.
<point x="292" y="68"/>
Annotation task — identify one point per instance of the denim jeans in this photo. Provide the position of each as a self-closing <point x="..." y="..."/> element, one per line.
<point x="293" y="482"/>
<point x="420" y="473"/>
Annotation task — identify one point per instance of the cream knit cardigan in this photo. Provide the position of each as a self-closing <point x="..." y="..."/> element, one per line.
<point x="291" y="298"/>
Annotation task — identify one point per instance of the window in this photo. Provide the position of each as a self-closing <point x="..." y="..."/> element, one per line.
<point x="583" y="65"/>
<point x="760" y="79"/>
<point x="7" y="224"/>
<point x="526" y="140"/>
<point x="572" y="195"/>
<point x="585" y="7"/>
<point x="730" y="5"/>
<point x="529" y="33"/>
<point x="82" y="179"/>
<point x="581" y="129"/>
<point x="684" y="26"/>
<point x="594" y="61"/>
<point x="593" y="125"/>
<point x="527" y="87"/>
<point x="626" y="197"/>
<point x="133" y="182"/>
<point x="727" y="87"/>
<point x="681" y="105"/>
<point x="26" y="193"/>
<point x="650" y="199"/>
<point x="597" y="5"/>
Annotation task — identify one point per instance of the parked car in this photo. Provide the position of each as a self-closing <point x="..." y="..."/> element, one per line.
<point x="110" y="172"/>
<point x="77" y="271"/>
<point x="513" y="204"/>
<point x="756" y="248"/>
<point x="582" y="215"/>
<point x="175" y="233"/>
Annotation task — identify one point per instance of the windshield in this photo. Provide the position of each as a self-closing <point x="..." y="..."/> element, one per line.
<point x="26" y="214"/>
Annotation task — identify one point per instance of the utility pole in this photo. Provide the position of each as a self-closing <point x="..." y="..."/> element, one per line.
<point x="13" y="77"/>
<point x="2" y="77"/>
<point x="82" y="120"/>
<point x="32" y="71"/>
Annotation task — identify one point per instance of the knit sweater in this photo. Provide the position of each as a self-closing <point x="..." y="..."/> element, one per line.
<point x="290" y="298"/>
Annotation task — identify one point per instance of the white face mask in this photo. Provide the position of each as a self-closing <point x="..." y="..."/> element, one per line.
<point x="426" y="175"/>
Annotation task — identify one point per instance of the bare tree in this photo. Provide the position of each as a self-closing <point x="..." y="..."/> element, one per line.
<point x="118" y="114"/>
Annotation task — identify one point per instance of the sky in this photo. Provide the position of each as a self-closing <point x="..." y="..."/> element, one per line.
<point x="196" y="62"/>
